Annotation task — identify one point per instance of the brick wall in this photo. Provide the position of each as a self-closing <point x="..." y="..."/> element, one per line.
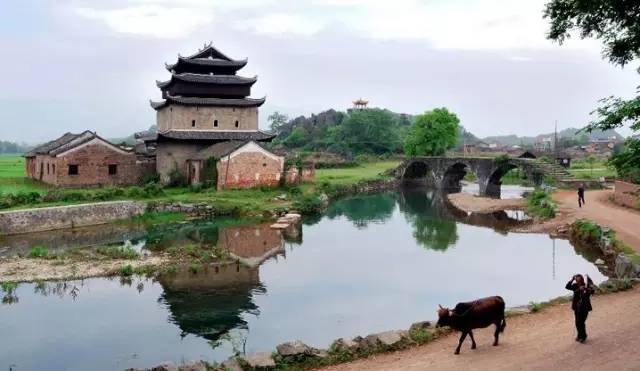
<point x="627" y="194"/>
<point x="249" y="169"/>
<point x="182" y="117"/>
<point x="93" y="162"/>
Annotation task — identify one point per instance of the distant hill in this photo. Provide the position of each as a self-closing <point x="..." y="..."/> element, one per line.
<point x="513" y="140"/>
<point x="131" y="140"/>
<point x="13" y="148"/>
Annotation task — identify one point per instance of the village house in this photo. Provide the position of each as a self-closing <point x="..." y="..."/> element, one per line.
<point x="207" y="126"/>
<point x="85" y="159"/>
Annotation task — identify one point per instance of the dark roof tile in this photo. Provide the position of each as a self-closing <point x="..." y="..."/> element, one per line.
<point x="217" y="135"/>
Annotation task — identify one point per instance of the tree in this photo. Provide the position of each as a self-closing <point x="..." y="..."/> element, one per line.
<point x="432" y="133"/>
<point x="297" y="138"/>
<point x="616" y="23"/>
<point x="276" y="121"/>
<point x="367" y="131"/>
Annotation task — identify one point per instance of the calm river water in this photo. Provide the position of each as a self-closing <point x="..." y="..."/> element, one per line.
<point x="372" y="263"/>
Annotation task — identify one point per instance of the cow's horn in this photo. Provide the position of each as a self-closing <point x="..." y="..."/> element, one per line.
<point x="440" y="306"/>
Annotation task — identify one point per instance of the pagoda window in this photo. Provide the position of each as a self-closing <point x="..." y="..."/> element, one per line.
<point x="237" y="123"/>
<point x="215" y="123"/>
<point x="47" y="168"/>
<point x="73" y="169"/>
<point x="113" y="169"/>
<point x="193" y="123"/>
<point x="53" y="168"/>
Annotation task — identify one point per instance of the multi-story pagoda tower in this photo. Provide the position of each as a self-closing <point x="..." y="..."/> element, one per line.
<point x="204" y="102"/>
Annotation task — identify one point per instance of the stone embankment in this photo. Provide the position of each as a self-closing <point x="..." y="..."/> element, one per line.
<point x="60" y="217"/>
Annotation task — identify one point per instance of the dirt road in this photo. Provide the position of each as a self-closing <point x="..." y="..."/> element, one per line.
<point x="540" y="341"/>
<point x="600" y="209"/>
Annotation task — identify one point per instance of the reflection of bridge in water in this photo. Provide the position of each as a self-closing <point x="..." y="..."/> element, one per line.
<point x="445" y="173"/>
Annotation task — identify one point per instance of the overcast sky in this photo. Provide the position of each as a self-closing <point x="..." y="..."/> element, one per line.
<point x="75" y="65"/>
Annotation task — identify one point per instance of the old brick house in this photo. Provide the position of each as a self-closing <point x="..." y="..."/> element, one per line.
<point x="205" y="104"/>
<point x="84" y="159"/>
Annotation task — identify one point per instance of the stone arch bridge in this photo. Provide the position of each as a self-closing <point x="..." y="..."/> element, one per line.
<point x="445" y="173"/>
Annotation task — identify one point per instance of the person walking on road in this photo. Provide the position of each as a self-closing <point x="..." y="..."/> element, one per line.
<point x="581" y="195"/>
<point x="581" y="303"/>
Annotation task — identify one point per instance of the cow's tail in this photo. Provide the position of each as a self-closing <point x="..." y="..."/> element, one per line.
<point x="503" y="324"/>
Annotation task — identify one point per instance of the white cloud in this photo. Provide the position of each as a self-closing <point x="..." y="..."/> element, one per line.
<point x="151" y="20"/>
<point x="280" y="23"/>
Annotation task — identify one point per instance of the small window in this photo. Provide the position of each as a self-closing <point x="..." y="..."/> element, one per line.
<point x="264" y="164"/>
<point x="215" y="123"/>
<point x="113" y="169"/>
<point x="170" y="109"/>
<point x="53" y="168"/>
<point x="237" y="123"/>
<point x="193" y="123"/>
<point x="73" y="169"/>
<point x="47" y="168"/>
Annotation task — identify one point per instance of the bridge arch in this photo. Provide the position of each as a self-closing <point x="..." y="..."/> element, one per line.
<point x="446" y="173"/>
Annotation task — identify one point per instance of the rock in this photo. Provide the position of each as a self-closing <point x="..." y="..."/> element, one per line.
<point x="260" y="360"/>
<point x="391" y="338"/>
<point x="324" y="198"/>
<point x="293" y="216"/>
<point x="387" y="338"/>
<point x="321" y="353"/>
<point x="137" y="369"/>
<point x="281" y="197"/>
<point x="625" y="268"/>
<point x="520" y="310"/>
<point x="195" y="366"/>
<point x="231" y="364"/>
<point x="165" y="367"/>
<point x="422" y="325"/>
<point x="599" y="262"/>
<point x="294" y="348"/>
<point x="279" y="226"/>
<point x="344" y="344"/>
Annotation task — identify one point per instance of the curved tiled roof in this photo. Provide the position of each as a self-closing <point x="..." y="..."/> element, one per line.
<point x="214" y="102"/>
<point x="209" y="62"/>
<point x="65" y="143"/>
<point x="209" y="79"/>
<point x="217" y="135"/>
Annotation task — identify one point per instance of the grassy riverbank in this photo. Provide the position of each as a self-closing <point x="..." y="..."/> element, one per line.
<point x="18" y="192"/>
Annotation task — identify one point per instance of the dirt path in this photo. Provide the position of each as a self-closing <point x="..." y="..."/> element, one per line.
<point x="600" y="209"/>
<point x="540" y="341"/>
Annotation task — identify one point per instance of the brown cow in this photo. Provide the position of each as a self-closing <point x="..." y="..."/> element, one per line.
<point x="474" y="314"/>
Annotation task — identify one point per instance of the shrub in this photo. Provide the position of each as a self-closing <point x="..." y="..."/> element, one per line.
<point x="135" y="192"/>
<point x="535" y="307"/>
<point x="176" y="178"/>
<point x="309" y="205"/>
<point x="152" y="190"/>
<point x="150" y="178"/>
<point x="38" y="252"/>
<point x="118" y="252"/>
<point x="539" y="203"/>
<point x="126" y="270"/>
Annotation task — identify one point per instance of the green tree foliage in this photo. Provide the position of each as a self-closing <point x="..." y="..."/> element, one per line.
<point x="367" y="131"/>
<point x="276" y="121"/>
<point x="616" y="23"/>
<point x="432" y="133"/>
<point x="297" y="138"/>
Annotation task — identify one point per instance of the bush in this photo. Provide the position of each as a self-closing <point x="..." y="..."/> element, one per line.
<point x="38" y="252"/>
<point x="540" y="203"/>
<point x="118" y="252"/>
<point x="150" y="178"/>
<point x="309" y="205"/>
<point x="135" y="192"/>
<point x="176" y="178"/>
<point x="126" y="270"/>
<point x="152" y="190"/>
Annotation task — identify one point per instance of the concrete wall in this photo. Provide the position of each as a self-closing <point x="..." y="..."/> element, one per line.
<point x="51" y="218"/>
<point x="182" y="117"/>
<point x="250" y="166"/>
<point x="627" y="194"/>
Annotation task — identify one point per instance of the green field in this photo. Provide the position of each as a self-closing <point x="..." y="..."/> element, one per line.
<point x="13" y="178"/>
<point x="365" y="171"/>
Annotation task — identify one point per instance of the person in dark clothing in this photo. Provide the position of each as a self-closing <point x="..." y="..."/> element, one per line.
<point x="581" y="195"/>
<point x="581" y="303"/>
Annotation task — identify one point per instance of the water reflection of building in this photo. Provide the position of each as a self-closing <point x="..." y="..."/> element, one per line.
<point x="213" y="301"/>
<point x="252" y="244"/>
